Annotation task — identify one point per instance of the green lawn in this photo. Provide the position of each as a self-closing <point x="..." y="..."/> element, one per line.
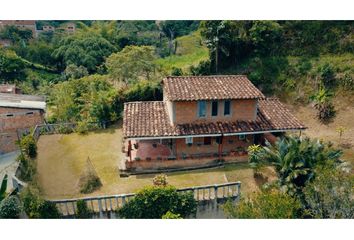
<point x="61" y="160"/>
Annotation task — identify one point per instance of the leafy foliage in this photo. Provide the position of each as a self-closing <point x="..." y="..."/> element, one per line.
<point x="10" y="208"/>
<point x="11" y="65"/>
<point x="3" y="187"/>
<point x="171" y="215"/>
<point x="330" y="195"/>
<point x="37" y="207"/>
<point x="131" y="64"/>
<point x="154" y="202"/>
<point x="82" y="211"/>
<point x="27" y="168"/>
<point x="28" y="146"/>
<point x="295" y="159"/>
<point x="83" y="50"/>
<point x="160" y="180"/>
<point x="265" y="204"/>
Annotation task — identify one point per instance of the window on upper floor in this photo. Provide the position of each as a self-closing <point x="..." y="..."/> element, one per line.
<point x="214" y="108"/>
<point x="227" y="108"/>
<point x="201" y="108"/>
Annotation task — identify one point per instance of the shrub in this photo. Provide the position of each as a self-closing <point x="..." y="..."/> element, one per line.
<point x="82" y="127"/>
<point x="265" y="204"/>
<point x="327" y="75"/>
<point x="90" y="183"/>
<point x="10" y="208"/>
<point x="48" y="210"/>
<point x="29" y="146"/>
<point x="325" y="111"/>
<point x="330" y="195"/>
<point x="154" y="202"/>
<point x="176" y="71"/>
<point x="171" y="215"/>
<point x="160" y="180"/>
<point x="62" y="129"/>
<point x="35" y="206"/>
<point x="27" y="168"/>
<point x="82" y="211"/>
<point x="347" y="81"/>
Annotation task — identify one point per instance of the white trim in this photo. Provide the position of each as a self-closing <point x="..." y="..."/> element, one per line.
<point x="211" y="135"/>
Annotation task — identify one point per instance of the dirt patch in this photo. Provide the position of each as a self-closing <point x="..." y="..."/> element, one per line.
<point x="327" y="132"/>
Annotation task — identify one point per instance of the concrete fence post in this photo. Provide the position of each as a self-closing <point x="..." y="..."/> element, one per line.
<point x="100" y="208"/>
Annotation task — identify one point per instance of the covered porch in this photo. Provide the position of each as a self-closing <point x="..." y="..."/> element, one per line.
<point x="185" y="152"/>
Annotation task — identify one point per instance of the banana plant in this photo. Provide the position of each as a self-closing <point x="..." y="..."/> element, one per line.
<point x="3" y="188"/>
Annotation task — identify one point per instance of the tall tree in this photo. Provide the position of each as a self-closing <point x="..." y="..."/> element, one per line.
<point x="132" y="63"/>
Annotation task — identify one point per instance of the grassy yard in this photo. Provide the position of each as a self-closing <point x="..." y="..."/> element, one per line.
<point x="61" y="160"/>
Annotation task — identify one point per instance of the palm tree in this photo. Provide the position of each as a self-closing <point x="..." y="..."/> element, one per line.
<point x="295" y="159"/>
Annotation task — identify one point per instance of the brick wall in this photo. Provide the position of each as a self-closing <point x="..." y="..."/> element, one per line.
<point x="13" y="119"/>
<point x="230" y="143"/>
<point x="186" y="111"/>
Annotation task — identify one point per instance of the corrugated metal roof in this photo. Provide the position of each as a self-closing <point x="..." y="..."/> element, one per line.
<point x="22" y="101"/>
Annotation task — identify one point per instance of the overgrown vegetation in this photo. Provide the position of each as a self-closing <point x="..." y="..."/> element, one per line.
<point x="10" y="207"/>
<point x="82" y="211"/>
<point x="156" y="202"/>
<point x="35" y="206"/>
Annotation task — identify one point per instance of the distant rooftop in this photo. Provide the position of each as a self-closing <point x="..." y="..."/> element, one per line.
<point x="22" y="101"/>
<point x="190" y="88"/>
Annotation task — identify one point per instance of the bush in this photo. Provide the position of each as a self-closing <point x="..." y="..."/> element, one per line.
<point x="266" y="204"/>
<point x="48" y="210"/>
<point x="330" y="195"/>
<point x="327" y="75"/>
<point x="176" y="71"/>
<point x="155" y="202"/>
<point x="325" y="111"/>
<point x="171" y="215"/>
<point x="29" y="146"/>
<point x="82" y="211"/>
<point x="10" y="208"/>
<point x="90" y="183"/>
<point x="27" y="168"/>
<point x="82" y="127"/>
<point x="35" y="206"/>
<point x="347" y="81"/>
<point x="160" y="180"/>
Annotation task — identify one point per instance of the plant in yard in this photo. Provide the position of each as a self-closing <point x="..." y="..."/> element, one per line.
<point x="324" y="106"/>
<point x="10" y="208"/>
<point x="295" y="159"/>
<point x="330" y="195"/>
<point x="27" y="167"/>
<point x="255" y="159"/>
<point x="340" y="130"/>
<point x="89" y="180"/>
<point x="327" y="75"/>
<point x="35" y="206"/>
<point x="28" y="146"/>
<point x="3" y="187"/>
<point x="82" y="210"/>
<point x="160" y="180"/>
<point x="155" y="202"/>
<point x="265" y="204"/>
<point x="171" y="215"/>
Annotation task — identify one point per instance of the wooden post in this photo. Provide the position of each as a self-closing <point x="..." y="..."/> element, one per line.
<point x="176" y="148"/>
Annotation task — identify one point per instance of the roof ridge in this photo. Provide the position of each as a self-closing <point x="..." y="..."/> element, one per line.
<point x="208" y="76"/>
<point x="135" y="102"/>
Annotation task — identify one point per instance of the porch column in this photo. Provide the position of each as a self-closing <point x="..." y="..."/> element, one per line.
<point x="176" y="148"/>
<point x="130" y="150"/>
<point x="220" y="146"/>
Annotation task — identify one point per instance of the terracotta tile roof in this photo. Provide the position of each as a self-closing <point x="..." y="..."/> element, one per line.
<point x="188" y="88"/>
<point x="150" y="119"/>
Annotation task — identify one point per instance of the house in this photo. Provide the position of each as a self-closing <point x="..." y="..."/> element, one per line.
<point x="9" y="88"/>
<point x="18" y="113"/>
<point x="21" y="24"/>
<point x="202" y="121"/>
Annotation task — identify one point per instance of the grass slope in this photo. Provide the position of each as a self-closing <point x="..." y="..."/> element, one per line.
<point x="190" y="51"/>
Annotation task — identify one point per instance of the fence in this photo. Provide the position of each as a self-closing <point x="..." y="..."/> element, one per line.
<point x="52" y="129"/>
<point x="107" y="205"/>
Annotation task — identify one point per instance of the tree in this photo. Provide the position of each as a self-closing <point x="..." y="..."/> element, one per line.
<point x="88" y="50"/>
<point x="265" y="37"/>
<point x="265" y="204"/>
<point x="11" y="65"/>
<point x="155" y="202"/>
<point x="295" y="159"/>
<point x="327" y="75"/>
<point x="28" y="146"/>
<point x="10" y="208"/>
<point x="131" y="64"/>
<point x="16" y="35"/>
<point x="330" y="195"/>
<point x="324" y="106"/>
<point x="74" y="72"/>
